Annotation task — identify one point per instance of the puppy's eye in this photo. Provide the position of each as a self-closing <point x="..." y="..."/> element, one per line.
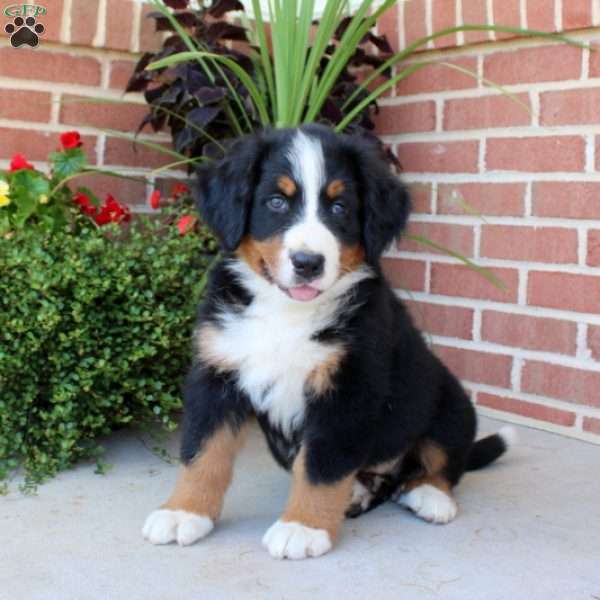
<point x="278" y="204"/>
<point x="338" y="208"/>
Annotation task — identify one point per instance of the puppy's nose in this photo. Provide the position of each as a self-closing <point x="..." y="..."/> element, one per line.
<point x="308" y="264"/>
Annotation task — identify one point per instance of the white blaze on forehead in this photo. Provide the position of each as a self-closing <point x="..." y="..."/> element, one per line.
<point x="309" y="233"/>
<point x="308" y="167"/>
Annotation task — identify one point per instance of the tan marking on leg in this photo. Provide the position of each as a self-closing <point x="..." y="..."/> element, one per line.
<point x="433" y="458"/>
<point x="286" y="185"/>
<point x="262" y="256"/>
<point x="320" y="379"/>
<point x="335" y="189"/>
<point x="208" y="351"/>
<point x="320" y="506"/>
<point x="351" y="257"/>
<point x="202" y="484"/>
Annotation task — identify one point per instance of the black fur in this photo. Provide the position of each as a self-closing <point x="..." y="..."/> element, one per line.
<point x="391" y="393"/>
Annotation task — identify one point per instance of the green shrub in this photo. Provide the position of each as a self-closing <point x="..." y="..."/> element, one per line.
<point x="94" y="336"/>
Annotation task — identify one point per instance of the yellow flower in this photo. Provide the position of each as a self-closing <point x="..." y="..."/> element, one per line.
<point x="44" y="199"/>
<point x="4" y="189"/>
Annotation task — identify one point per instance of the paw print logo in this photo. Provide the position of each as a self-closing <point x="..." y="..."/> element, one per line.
<point x="24" y="31"/>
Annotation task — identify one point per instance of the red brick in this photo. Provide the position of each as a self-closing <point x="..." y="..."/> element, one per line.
<point x="150" y="39"/>
<point x="533" y="333"/>
<point x="536" y="244"/>
<point x="527" y="409"/>
<point x="405" y="118"/>
<point x="440" y="78"/>
<point x="593" y="341"/>
<point x="563" y="383"/>
<point x="414" y="21"/>
<point x="507" y="13"/>
<point x="124" y="190"/>
<point x="593" y="257"/>
<point x="52" y="20"/>
<point x="486" y="112"/>
<point x="49" y="66"/>
<point x="475" y="13"/>
<point x="565" y="291"/>
<point x="36" y="145"/>
<point x="536" y="154"/>
<point x="540" y="15"/>
<point x="459" y="280"/>
<point x="591" y="425"/>
<point x="595" y="61"/>
<point x="493" y="199"/>
<point x="567" y="200"/>
<point x="420" y="194"/>
<point x="577" y="14"/>
<point x="528" y="65"/>
<point x="438" y="319"/>
<point x="388" y="25"/>
<point x="84" y="19"/>
<point x="125" y="117"/>
<point x="458" y="238"/>
<point x="24" y="105"/>
<point x="119" y="24"/>
<point x="443" y="16"/>
<point x="126" y="153"/>
<point x="572" y="107"/>
<point x="120" y="72"/>
<point x="477" y="367"/>
<point x="439" y="157"/>
<point x="404" y="274"/>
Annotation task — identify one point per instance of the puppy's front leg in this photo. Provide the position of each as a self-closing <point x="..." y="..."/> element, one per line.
<point x="312" y="518"/>
<point x="197" y="500"/>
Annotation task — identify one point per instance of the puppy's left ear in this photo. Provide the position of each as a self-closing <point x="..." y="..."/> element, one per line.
<point x="224" y="190"/>
<point x="386" y="203"/>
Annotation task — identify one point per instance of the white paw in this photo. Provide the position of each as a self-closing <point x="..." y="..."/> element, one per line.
<point x="361" y="496"/>
<point x="164" y="526"/>
<point x="429" y="503"/>
<point x="293" y="540"/>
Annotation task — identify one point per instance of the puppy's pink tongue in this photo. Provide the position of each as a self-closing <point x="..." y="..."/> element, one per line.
<point x="304" y="293"/>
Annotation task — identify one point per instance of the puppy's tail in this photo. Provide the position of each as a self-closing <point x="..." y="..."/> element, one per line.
<point x="488" y="449"/>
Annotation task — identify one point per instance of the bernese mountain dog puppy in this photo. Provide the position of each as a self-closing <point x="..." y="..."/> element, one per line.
<point x="300" y="330"/>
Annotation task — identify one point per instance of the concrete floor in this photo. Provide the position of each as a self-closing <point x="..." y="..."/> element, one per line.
<point x="528" y="528"/>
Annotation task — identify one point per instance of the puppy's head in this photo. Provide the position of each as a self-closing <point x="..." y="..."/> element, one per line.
<point x="303" y="207"/>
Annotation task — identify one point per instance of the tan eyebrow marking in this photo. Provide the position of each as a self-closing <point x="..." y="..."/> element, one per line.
<point x="335" y="188"/>
<point x="286" y="185"/>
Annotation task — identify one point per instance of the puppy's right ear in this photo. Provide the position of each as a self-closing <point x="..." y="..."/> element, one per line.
<point x="225" y="190"/>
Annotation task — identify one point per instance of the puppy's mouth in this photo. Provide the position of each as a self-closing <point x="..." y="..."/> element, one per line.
<point x="302" y="293"/>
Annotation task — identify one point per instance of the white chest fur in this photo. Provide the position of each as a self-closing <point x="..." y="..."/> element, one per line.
<point x="269" y="345"/>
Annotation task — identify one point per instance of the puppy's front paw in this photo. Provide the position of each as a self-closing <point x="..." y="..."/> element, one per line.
<point x="164" y="526"/>
<point x="429" y="503"/>
<point x="294" y="540"/>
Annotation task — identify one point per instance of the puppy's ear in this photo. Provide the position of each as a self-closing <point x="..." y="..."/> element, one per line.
<point x="386" y="202"/>
<point x="224" y="190"/>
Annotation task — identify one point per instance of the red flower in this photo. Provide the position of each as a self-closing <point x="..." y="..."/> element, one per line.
<point x="112" y="212"/>
<point x="85" y="204"/>
<point x="186" y="224"/>
<point x="178" y="189"/>
<point x="70" y="139"/>
<point x="19" y="162"/>
<point x="155" y="200"/>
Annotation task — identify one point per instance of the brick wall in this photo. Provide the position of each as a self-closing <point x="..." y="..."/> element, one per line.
<point x="87" y="51"/>
<point x="529" y="353"/>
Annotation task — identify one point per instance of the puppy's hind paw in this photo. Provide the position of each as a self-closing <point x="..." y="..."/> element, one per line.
<point x="165" y="526"/>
